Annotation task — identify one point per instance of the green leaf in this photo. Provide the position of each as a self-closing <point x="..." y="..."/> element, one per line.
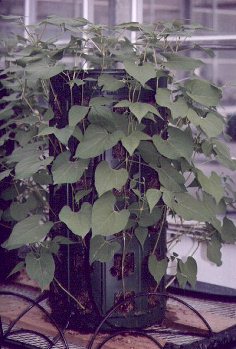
<point x="39" y="71"/>
<point x="81" y="194"/>
<point x="96" y="140"/>
<point x="179" y="144"/>
<point x="157" y="268"/>
<point x="190" y="208"/>
<point x="99" y="101"/>
<point x="223" y="155"/>
<point x="78" y="222"/>
<point x="132" y="141"/>
<point x="102" y="250"/>
<point x="106" y="178"/>
<point x="141" y="234"/>
<point x="213" y="250"/>
<point x="40" y="268"/>
<point x="147" y="219"/>
<point x="29" y="165"/>
<point x="179" y="108"/>
<point x="66" y="171"/>
<point x="109" y="83"/>
<point x="43" y="177"/>
<point x="105" y="220"/>
<point x="62" y="134"/>
<point x="169" y="177"/>
<point x="203" y="92"/>
<point x="123" y="104"/>
<point x="188" y="271"/>
<point x="212" y="124"/>
<point x="76" y="114"/>
<point x="20" y="211"/>
<point x="228" y="231"/>
<point x="175" y="61"/>
<point x="4" y="174"/>
<point x="153" y="196"/>
<point x="140" y="110"/>
<point x="163" y="97"/>
<point x="17" y="268"/>
<point x="148" y="152"/>
<point x="212" y="185"/>
<point x="141" y="73"/>
<point x="28" y="231"/>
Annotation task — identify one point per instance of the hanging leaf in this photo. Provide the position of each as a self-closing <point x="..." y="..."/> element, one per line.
<point x="212" y="185"/>
<point x="132" y="141"/>
<point x="179" y="144"/>
<point x="107" y="179"/>
<point x="163" y="97"/>
<point x="28" y="231"/>
<point x="96" y="140"/>
<point x="153" y="196"/>
<point x="76" y="114"/>
<point x="62" y="134"/>
<point x="175" y="61"/>
<point x="213" y="250"/>
<point x="228" y="232"/>
<point x="105" y="220"/>
<point x="141" y="234"/>
<point x="187" y="272"/>
<point x="140" y="110"/>
<point x="203" y="92"/>
<point x="66" y="171"/>
<point x="213" y="124"/>
<point x="157" y="268"/>
<point x="102" y="250"/>
<point x="169" y="177"/>
<point x="40" y="268"/>
<point x="29" y="165"/>
<point x="78" y="222"/>
<point x="109" y="83"/>
<point x="40" y="71"/>
<point x="17" y="268"/>
<point x="148" y="152"/>
<point x="141" y="73"/>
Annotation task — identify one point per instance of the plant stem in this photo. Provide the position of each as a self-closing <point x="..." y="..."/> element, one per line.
<point x="69" y="294"/>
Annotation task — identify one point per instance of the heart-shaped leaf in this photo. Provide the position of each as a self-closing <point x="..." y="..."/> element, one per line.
<point x="102" y="250"/>
<point x="153" y="196"/>
<point x="106" y="178"/>
<point x="76" y="114"/>
<point x="157" y="268"/>
<point x="105" y="220"/>
<point x="141" y="73"/>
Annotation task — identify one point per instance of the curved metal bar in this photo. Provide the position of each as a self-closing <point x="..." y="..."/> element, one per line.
<point x="166" y="295"/>
<point x="12" y="333"/>
<point x="9" y="293"/>
<point x="12" y="324"/>
<point x="135" y="332"/>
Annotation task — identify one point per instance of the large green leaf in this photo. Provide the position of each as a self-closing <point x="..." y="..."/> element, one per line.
<point x="189" y="208"/>
<point x="175" y="61"/>
<point x="179" y="144"/>
<point x="66" y="171"/>
<point x="40" y="268"/>
<point x="153" y="196"/>
<point x="203" y="92"/>
<point x="148" y="152"/>
<point x="140" y="110"/>
<point x="76" y="114"/>
<point x="147" y="219"/>
<point x="132" y="141"/>
<point x="141" y="73"/>
<point x="78" y="222"/>
<point x="102" y="250"/>
<point x="212" y="124"/>
<point x="96" y="140"/>
<point x="105" y="220"/>
<point x="163" y="97"/>
<point x="109" y="83"/>
<point x="39" y="71"/>
<point x="157" y="268"/>
<point x="28" y="231"/>
<point x="211" y="185"/>
<point x="106" y="178"/>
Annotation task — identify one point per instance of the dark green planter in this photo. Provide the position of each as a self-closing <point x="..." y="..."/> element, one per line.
<point x="100" y="286"/>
